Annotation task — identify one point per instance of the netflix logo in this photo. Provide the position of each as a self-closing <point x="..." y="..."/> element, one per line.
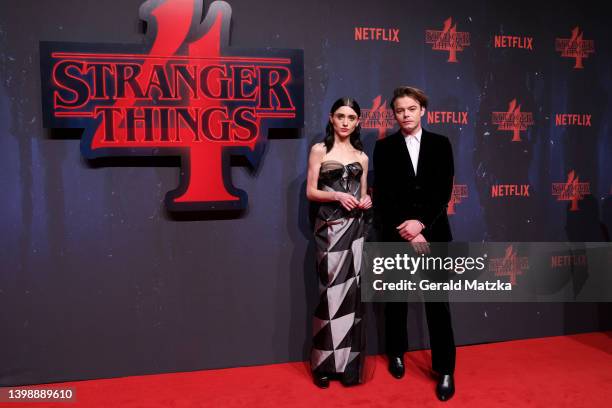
<point x="377" y="34"/>
<point x="510" y="190"/>
<point x="564" y="261"/>
<point x="573" y="119"/>
<point x="454" y="118"/>
<point x="511" y="41"/>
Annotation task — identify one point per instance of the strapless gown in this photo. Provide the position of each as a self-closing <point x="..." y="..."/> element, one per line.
<point x="338" y="327"/>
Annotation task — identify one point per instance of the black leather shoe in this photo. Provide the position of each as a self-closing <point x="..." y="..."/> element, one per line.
<point x="349" y="382"/>
<point x="321" y="381"/>
<point x="396" y="366"/>
<point x="445" y="389"/>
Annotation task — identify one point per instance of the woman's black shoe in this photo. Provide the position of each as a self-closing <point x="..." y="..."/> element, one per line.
<point x="350" y="378"/>
<point x="321" y="381"/>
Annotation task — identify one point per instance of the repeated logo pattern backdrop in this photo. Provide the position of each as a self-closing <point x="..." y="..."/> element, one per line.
<point x="524" y="107"/>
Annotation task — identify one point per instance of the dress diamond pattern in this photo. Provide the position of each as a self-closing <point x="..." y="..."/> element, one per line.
<point x="339" y="331"/>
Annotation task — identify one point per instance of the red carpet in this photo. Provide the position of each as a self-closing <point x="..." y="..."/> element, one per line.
<point x="568" y="371"/>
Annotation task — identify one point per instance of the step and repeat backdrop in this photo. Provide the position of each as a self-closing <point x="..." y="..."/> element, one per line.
<point x="154" y="154"/>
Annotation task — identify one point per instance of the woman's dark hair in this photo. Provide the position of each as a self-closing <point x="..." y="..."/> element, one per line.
<point x="329" y="130"/>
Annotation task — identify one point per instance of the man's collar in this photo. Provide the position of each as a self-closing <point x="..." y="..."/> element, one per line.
<point x="417" y="136"/>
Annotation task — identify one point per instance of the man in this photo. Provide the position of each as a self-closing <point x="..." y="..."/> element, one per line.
<point x="413" y="184"/>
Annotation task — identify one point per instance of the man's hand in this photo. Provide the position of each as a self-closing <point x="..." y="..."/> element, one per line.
<point x="420" y="244"/>
<point x="409" y="229"/>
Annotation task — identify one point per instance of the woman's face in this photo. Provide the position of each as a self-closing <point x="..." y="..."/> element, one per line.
<point x="344" y="120"/>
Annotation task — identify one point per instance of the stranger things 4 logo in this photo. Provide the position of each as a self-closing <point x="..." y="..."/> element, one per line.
<point x="184" y="93"/>
<point x="510" y="265"/>
<point x="575" y="47"/>
<point x="460" y="191"/>
<point x="448" y="39"/>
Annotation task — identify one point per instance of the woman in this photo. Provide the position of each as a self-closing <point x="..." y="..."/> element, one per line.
<point x="337" y="179"/>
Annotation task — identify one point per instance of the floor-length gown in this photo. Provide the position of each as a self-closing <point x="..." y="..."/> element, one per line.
<point x="338" y="327"/>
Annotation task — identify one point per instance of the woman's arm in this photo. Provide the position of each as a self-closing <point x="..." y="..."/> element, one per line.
<point x="366" y="202"/>
<point x="317" y="152"/>
<point x="364" y="176"/>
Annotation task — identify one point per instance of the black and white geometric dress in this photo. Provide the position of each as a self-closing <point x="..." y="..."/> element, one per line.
<point x="338" y="329"/>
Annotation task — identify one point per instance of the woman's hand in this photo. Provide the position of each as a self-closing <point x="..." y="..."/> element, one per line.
<point x="347" y="200"/>
<point x="365" y="203"/>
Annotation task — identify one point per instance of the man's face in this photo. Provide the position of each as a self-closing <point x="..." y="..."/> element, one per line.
<point x="408" y="113"/>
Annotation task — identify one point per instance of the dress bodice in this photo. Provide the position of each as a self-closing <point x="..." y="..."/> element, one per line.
<point x="346" y="178"/>
<point x="335" y="176"/>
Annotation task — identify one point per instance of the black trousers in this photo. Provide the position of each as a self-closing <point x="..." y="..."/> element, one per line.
<point x="441" y="336"/>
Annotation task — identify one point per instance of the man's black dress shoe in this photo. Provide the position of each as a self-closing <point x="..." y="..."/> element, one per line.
<point x="321" y="381"/>
<point x="445" y="389"/>
<point x="396" y="366"/>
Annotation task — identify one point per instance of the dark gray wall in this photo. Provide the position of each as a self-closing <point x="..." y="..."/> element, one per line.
<point x="98" y="280"/>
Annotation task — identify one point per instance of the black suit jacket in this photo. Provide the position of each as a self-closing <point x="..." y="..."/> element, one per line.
<point x="399" y="195"/>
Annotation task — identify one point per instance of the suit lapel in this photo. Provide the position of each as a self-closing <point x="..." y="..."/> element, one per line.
<point x="404" y="161"/>
<point x="424" y="151"/>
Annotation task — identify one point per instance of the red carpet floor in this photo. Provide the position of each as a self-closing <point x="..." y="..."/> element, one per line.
<point x="568" y="371"/>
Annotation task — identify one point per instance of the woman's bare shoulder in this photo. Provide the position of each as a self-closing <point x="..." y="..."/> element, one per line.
<point x="363" y="157"/>
<point x="318" y="149"/>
